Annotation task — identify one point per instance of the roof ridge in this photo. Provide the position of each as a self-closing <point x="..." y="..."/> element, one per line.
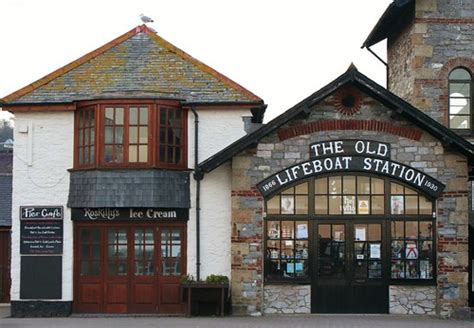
<point x="200" y="65"/>
<point x="74" y="64"/>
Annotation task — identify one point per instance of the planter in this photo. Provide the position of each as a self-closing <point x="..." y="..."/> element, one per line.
<point x="204" y="297"/>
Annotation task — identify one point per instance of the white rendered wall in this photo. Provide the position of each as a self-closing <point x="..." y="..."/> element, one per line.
<point x="218" y="128"/>
<point x="215" y="223"/>
<point x="44" y="182"/>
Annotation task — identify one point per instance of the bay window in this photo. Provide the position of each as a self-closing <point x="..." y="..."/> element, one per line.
<point x="130" y="135"/>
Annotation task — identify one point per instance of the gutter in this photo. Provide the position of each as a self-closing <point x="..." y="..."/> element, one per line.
<point x="198" y="175"/>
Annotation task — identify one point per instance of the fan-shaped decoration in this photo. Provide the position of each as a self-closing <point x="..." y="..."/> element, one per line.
<point x="348" y="101"/>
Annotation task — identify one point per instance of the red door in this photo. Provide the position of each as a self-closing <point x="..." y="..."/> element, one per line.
<point x="172" y="267"/>
<point x="129" y="268"/>
<point x="4" y="266"/>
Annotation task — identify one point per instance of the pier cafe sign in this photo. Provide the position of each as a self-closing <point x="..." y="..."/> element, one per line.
<point x="352" y="156"/>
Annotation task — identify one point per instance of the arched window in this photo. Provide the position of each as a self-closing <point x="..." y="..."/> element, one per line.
<point x="460" y="99"/>
<point x="369" y="218"/>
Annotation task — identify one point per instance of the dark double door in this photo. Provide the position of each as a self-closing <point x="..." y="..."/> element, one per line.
<point x="350" y="269"/>
<point x="4" y="266"/>
<point x="129" y="268"/>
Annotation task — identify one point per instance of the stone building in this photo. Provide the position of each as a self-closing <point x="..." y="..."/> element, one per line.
<point x="355" y="200"/>
<point x="318" y="228"/>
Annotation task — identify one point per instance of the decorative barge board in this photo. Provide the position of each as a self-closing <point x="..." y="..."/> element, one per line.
<point x="349" y="202"/>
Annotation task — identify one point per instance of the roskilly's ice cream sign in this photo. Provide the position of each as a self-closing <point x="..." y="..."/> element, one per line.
<point x="352" y="156"/>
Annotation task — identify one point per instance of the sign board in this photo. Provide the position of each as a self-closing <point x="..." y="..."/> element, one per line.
<point x="127" y="214"/>
<point x="350" y="147"/>
<point x="41" y="230"/>
<point x="352" y="156"/>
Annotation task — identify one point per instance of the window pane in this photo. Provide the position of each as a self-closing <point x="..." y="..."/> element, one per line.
<point x="377" y="186"/>
<point x="301" y="230"/>
<point x="321" y="204"/>
<point x="133" y="117"/>
<point x="459" y="122"/>
<point x="143" y="154"/>
<point x="108" y="156"/>
<point x="363" y="185"/>
<point x="287" y="247"/>
<point x="349" y="183"/>
<point x="349" y="205"/>
<point x="375" y="232"/>
<point x="133" y="135"/>
<point x="459" y="106"/>
<point x="411" y="229"/>
<point x="301" y="204"/>
<point x="335" y="205"/>
<point x="119" y="116"/>
<point x="459" y="74"/>
<point x="289" y="191"/>
<point x="363" y="205"/>
<point x="395" y="188"/>
<point x="132" y="154"/>
<point x="273" y="205"/>
<point x="109" y="135"/>
<point x="459" y="90"/>
<point x="324" y="231"/>
<point x="273" y="249"/>
<point x="411" y="204"/>
<point x="109" y="115"/>
<point x="143" y="135"/>
<point x="273" y="229"/>
<point x="321" y="186"/>
<point x="287" y="230"/>
<point x="426" y="230"/>
<point x="143" y="115"/>
<point x="302" y="189"/>
<point x="397" y="204"/>
<point x="398" y="230"/>
<point x="287" y="204"/>
<point x="335" y="185"/>
<point x="118" y="135"/>
<point x="118" y="154"/>
<point x="378" y="204"/>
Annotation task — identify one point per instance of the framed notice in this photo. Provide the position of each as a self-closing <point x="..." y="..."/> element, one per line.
<point x="41" y="230"/>
<point x="287" y="205"/>
<point x="396" y="204"/>
<point x="363" y="207"/>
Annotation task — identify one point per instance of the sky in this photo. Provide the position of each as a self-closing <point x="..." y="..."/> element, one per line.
<point x="282" y="51"/>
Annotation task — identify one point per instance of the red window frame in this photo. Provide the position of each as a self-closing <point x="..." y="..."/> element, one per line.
<point x="177" y="147"/>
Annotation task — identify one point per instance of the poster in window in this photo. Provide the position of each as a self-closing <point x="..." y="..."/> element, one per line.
<point x="363" y="206"/>
<point x="301" y="231"/>
<point x="412" y="271"/>
<point x="397" y="269"/>
<point x="287" y="205"/>
<point x="397" y="248"/>
<point x="411" y="251"/>
<point x="348" y="205"/>
<point x="396" y="204"/>
<point x="274" y="230"/>
<point x="426" y="270"/>
<point x="360" y="234"/>
<point x="375" y="251"/>
<point x="290" y="268"/>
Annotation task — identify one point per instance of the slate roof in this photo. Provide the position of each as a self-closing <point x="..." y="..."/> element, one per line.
<point x="6" y="189"/>
<point x="129" y="188"/>
<point x="351" y="77"/>
<point x="397" y="15"/>
<point x="138" y="64"/>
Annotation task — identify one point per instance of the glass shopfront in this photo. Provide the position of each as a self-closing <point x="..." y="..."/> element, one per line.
<point x="350" y="236"/>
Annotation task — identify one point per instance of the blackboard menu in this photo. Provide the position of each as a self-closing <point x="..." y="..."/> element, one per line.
<point x="41" y="230"/>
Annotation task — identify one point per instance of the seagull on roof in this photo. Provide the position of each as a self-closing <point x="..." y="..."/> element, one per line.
<point x="146" y="19"/>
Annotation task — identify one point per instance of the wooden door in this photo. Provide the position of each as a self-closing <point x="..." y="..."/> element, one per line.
<point x="172" y="243"/>
<point x="89" y="270"/>
<point x="349" y="274"/>
<point x="144" y="280"/>
<point x="5" y="266"/>
<point x="117" y="270"/>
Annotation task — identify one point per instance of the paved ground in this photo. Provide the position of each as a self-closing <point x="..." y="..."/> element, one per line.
<point x="319" y="321"/>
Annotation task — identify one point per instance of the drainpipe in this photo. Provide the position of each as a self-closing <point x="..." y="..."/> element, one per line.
<point x="381" y="60"/>
<point x="198" y="175"/>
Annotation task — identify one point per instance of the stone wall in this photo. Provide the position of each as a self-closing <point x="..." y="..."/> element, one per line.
<point x="277" y="151"/>
<point x="421" y="57"/>
<point x="287" y="299"/>
<point x="412" y="300"/>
